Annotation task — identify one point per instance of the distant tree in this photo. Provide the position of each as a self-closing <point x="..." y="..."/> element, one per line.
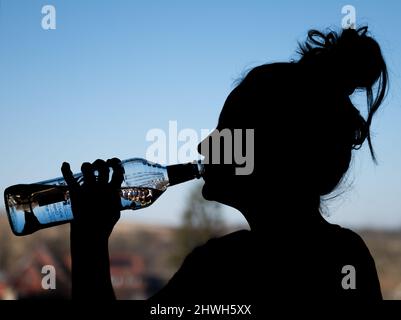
<point x="201" y="221"/>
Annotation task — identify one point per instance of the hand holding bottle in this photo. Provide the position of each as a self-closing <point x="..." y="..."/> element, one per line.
<point x="96" y="205"/>
<point x="96" y="201"/>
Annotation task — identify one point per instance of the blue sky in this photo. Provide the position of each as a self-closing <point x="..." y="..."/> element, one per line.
<point x="113" y="70"/>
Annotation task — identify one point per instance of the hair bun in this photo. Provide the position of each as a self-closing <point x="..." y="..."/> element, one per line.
<point x="360" y="55"/>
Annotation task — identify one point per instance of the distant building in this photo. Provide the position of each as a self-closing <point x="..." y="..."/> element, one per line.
<point x="26" y="278"/>
<point x="128" y="273"/>
<point x="128" y="276"/>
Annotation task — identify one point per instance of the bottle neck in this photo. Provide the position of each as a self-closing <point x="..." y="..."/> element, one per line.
<point x="180" y="173"/>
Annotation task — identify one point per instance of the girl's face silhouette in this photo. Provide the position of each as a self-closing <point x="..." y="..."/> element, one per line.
<point x="223" y="183"/>
<point x="294" y="159"/>
<point x="220" y="181"/>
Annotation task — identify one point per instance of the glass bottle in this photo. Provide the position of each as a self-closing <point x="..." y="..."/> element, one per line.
<point x="31" y="207"/>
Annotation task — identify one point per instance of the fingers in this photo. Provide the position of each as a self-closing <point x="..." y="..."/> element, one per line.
<point x="88" y="173"/>
<point x="118" y="172"/>
<point x="68" y="176"/>
<point x="103" y="171"/>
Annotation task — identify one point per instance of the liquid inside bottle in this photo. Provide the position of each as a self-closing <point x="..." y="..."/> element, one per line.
<point x="35" y="206"/>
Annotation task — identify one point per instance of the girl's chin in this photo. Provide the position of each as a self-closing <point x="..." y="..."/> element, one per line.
<point x="206" y="192"/>
<point x="213" y="193"/>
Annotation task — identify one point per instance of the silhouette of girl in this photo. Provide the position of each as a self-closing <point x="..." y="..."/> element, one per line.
<point x="305" y="128"/>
